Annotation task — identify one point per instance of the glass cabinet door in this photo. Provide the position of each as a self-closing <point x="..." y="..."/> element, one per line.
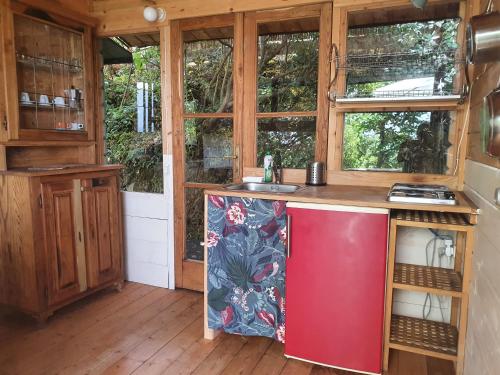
<point x="50" y="76"/>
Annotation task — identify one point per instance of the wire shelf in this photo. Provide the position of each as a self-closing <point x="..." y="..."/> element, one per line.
<point x="399" y="76"/>
<point x="407" y="60"/>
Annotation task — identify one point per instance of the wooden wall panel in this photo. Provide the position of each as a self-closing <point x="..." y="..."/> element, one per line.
<point x="486" y="79"/>
<point x="17" y="263"/>
<point x="125" y="16"/>
<point x="21" y="157"/>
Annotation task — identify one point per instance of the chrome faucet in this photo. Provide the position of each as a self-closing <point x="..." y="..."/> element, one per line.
<point x="278" y="168"/>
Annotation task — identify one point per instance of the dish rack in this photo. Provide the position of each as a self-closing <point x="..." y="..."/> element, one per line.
<point x="398" y="76"/>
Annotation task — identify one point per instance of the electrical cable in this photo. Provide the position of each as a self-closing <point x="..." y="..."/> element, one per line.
<point x="440" y="252"/>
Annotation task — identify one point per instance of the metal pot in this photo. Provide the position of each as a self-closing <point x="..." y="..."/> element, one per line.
<point x="491" y="129"/>
<point x="483" y="38"/>
<point x="316" y="173"/>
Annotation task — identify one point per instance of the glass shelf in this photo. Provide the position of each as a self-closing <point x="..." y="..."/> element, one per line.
<point x="47" y="63"/>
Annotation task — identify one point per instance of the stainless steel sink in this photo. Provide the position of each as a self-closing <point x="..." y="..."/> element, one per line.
<point x="266" y="188"/>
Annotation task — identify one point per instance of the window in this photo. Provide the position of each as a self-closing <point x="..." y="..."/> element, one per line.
<point x="287" y="82"/>
<point x="397" y="95"/>
<point x="290" y="117"/>
<point x="410" y="142"/>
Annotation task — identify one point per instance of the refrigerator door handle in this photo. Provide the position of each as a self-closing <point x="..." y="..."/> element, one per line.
<point x="288" y="234"/>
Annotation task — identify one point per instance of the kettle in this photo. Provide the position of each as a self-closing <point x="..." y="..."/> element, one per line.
<point x="316" y="173"/>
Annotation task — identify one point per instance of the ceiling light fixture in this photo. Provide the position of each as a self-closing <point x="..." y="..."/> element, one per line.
<point x="152" y="14"/>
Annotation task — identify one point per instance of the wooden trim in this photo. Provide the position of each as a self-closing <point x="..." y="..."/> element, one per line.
<point x="200" y="185"/>
<point x="414" y="105"/>
<point x="59" y="9"/>
<point x="208" y="334"/>
<point x="374" y="4"/>
<point x="448" y="357"/>
<point x="3" y="158"/>
<point x="391" y="262"/>
<point x="339" y="18"/>
<point x="286" y="114"/>
<point x="178" y="148"/>
<point x="250" y="90"/>
<point x="10" y="75"/>
<point x="420" y="289"/>
<point x="464" y="304"/>
<point x="207" y="22"/>
<point x="99" y="103"/>
<point x="304" y="11"/>
<point x="207" y="115"/>
<point x="166" y="89"/>
<point x="363" y="178"/>
<point x="79" y="235"/>
<point x="89" y="84"/>
<point x="325" y="37"/>
<point x="37" y="135"/>
<point x="336" y="120"/>
<point x="238" y="98"/>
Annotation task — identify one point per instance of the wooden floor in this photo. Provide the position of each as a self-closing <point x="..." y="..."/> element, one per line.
<point x="148" y="330"/>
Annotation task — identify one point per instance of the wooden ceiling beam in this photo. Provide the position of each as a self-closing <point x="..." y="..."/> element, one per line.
<point x="59" y="8"/>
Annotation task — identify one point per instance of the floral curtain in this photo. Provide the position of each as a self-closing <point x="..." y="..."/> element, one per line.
<point x="246" y="266"/>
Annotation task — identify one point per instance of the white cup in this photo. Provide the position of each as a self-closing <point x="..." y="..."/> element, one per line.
<point x="59" y="100"/>
<point x="76" y="126"/>
<point x="44" y="100"/>
<point x="25" y="97"/>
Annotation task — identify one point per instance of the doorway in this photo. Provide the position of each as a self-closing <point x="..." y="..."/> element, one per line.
<point x="133" y="137"/>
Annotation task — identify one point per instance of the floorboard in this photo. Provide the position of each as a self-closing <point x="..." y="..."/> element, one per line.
<point x="148" y="330"/>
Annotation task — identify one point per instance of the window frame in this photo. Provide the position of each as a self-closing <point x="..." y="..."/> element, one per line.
<point x="184" y="266"/>
<point x="335" y="173"/>
<point x="250" y="109"/>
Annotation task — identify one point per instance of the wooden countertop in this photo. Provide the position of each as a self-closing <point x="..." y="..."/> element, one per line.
<point x="66" y="169"/>
<point x="364" y="196"/>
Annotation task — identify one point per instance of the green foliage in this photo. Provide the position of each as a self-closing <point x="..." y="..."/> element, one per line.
<point x="208" y="76"/>
<point x="397" y="141"/>
<point x="288" y="72"/>
<point x="140" y="153"/>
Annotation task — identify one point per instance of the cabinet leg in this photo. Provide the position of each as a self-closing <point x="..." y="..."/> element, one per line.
<point x="210" y="333"/>
<point x="119" y="286"/>
<point x="386" y="360"/>
<point x="42" y="318"/>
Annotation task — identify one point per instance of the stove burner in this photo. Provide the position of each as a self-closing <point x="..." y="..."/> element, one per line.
<point x="428" y="194"/>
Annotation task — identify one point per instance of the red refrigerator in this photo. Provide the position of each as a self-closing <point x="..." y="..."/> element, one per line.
<point x="335" y="285"/>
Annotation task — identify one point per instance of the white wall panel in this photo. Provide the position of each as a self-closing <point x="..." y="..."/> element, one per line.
<point x="483" y="334"/>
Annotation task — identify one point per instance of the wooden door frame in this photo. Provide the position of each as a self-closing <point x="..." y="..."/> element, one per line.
<point x="185" y="269"/>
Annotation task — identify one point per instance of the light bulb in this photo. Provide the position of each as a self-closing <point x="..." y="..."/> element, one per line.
<point x="152" y="14"/>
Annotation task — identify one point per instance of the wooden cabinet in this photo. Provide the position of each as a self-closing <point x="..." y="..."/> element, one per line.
<point x="102" y="237"/>
<point x="48" y="77"/>
<point x="61" y="237"/>
<point x="63" y="240"/>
